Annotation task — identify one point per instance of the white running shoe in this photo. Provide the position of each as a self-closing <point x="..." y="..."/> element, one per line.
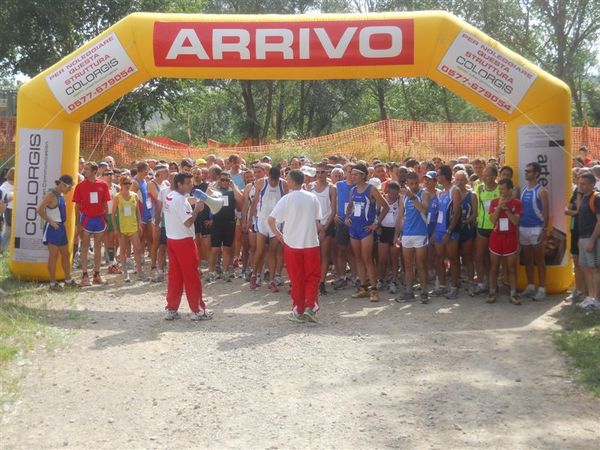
<point x="207" y="314"/>
<point x="528" y="292"/>
<point x="171" y="314"/>
<point x="539" y="295"/>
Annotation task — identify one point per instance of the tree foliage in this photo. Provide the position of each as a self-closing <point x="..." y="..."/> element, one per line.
<point x="561" y="36"/>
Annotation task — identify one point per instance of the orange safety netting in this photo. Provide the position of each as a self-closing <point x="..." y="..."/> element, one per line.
<point x="389" y="139"/>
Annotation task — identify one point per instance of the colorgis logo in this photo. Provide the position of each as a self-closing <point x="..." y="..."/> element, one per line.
<point x="284" y="44"/>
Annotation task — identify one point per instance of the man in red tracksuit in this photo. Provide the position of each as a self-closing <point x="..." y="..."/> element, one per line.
<point x="183" y="253"/>
<point x="300" y="212"/>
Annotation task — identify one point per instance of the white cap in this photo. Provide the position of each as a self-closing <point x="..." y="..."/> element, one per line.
<point x="375" y="182"/>
<point x="308" y="171"/>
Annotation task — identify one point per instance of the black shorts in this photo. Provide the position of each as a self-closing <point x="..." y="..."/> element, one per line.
<point x="342" y="234"/>
<point x="222" y="234"/>
<point x="330" y="231"/>
<point x="483" y="232"/>
<point x="575" y="242"/>
<point x="386" y="235"/>
<point x="162" y="239"/>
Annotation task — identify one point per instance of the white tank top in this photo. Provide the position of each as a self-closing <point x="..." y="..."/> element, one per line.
<point x="389" y="221"/>
<point x="269" y="196"/>
<point x="324" y="200"/>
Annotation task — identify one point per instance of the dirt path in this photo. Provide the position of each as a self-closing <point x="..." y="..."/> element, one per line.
<point x="452" y="374"/>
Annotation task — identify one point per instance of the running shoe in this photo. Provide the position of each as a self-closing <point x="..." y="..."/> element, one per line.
<point x="340" y="283"/>
<point x="98" y="279"/>
<point x="539" y="296"/>
<point x="126" y="277"/>
<point x="236" y="263"/>
<point x="158" y="277"/>
<point x="361" y="292"/>
<point x="380" y="285"/>
<point x="85" y="280"/>
<point x="273" y="287"/>
<point x="393" y="287"/>
<point x="322" y="289"/>
<point x="141" y="276"/>
<point x="575" y="296"/>
<point x="253" y="282"/>
<point x="374" y="295"/>
<point x="528" y="292"/>
<point x="171" y="314"/>
<point x="491" y="298"/>
<point x="357" y="282"/>
<point x="278" y="279"/>
<point x="439" y="291"/>
<point x="266" y="275"/>
<point x="211" y="277"/>
<point x="452" y="293"/>
<point x="71" y="283"/>
<point x="480" y="289"/>
<point x="296" y="318"/>
<point x="408" y="296"/>
<point x="55" y="287"/>
<point x="114" y="270"/>
<point x="227" y="276"/>
<point x="424" y="298"/>
<point x="207" y="314"/>
<point x="310" y="316"/>
<point x="514" y="299"/>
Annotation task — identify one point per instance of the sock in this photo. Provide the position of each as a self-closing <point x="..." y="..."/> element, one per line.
<point x="513" y="292"/>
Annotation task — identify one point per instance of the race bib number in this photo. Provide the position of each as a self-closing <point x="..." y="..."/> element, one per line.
<point x="503" y="224"/>
<point x="148" y="202"/>
<point x="345" y="207"/>
<point x="93" y="198"/>
<point x="440" y="218"/>
<point x="127" y="210"/>
<point x="428" y="217"/>
<point x="225" y="200"/>
<point x="487" y="205"/>
<point x="357" y="209"/>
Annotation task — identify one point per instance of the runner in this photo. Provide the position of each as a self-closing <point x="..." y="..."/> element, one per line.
<point x="161" y="173"/>
<point x="53" y="210"/>
<point x="486" y="192"/>
<point x="91" y="198"/>
<point x="361" y="218"/>
<point x="388" y="252"/>
<point x="533" y="228"/>
<point x="300" y="212"/>
<point x="326" y="194"/>
<point x="505" y="213"/>
<point x="411" y="230"/>
<point x="468" y="215"/>
<point x="344" y="255"/>
<point x="183" y="254"/>
<point x="430" y="184"/>
<point x="140" y="185"/>
<point x="447" y="235"/>
<point x="111" y="239"/>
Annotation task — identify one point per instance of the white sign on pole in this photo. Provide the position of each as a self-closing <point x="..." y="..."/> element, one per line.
<point x="486" y="71"/>
<point x="91" y="73"/>
<point x="40" y="158"/>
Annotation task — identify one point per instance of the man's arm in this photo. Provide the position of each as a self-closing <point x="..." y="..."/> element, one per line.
<point x="454" y="221"/>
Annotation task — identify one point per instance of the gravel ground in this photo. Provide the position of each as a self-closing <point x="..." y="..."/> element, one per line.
<point x="451" y="374"/>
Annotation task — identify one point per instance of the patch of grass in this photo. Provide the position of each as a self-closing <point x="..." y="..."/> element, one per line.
<point x="580" y="339"/>
<point x="23" y="325"/>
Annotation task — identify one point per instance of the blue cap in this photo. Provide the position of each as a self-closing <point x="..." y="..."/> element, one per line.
<point x="432" y="174"/>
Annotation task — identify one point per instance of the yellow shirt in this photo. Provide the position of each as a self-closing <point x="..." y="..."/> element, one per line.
<point x="127" y="214"/>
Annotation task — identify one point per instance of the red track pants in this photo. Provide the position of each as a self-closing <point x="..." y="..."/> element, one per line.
<point x="183" y="272"/>
<point x="304" y="269"/>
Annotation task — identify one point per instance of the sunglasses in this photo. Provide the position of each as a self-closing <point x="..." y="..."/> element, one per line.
<point x="127" y="182"/>
<point x="321" y="171"/>
<point x="225" y="179"/>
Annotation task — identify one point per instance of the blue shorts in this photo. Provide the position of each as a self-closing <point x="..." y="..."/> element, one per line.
<point x="439" y="236"/>
<point x="359" y="234"/>
<point x="56" y="237"/>
<point x="93" y="224"/>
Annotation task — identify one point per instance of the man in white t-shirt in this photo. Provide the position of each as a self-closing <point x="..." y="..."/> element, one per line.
<point x="183" y="253"/>
<point x="300" y="212"/>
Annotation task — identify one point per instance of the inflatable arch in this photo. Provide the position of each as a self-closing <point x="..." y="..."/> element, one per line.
<point x="438" y="45"/>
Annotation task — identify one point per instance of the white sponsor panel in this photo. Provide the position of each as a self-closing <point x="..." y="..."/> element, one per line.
<point x="91" y="73"/>
<point x="544" y="144"/>
<point x="486" y="71"/>
<point x="40" y="158"/>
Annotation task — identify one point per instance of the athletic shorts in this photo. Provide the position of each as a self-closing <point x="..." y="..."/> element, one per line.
<point x="467" y="233"/>
<point x="342" y="234"/>
<point x="484" y="232"/>
<point x="93" y="224"/>
<point x="330" y="231"/>
<point x="56" y="237"/>
<point x="162" y="239"/>
<point x="109" y="223"/>
<point x="358" y="233"/>
<point x="589" y="259"/>
<point x="262" y="227"/>
<point x="414" y="241"/>
<point x="386" y="235"/>
<point x="575" y="241"/>
<point x="222" y="234"/>
<point x="503" y="244"/>
<point x="439" y="236"/>
<point x="530" y="235"/>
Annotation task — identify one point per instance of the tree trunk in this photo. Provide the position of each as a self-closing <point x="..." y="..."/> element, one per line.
<point x="279" y="112"/>
<point x="252" y="126"/>
<point x="268" y="111"/>
<point x="380" y="90"/>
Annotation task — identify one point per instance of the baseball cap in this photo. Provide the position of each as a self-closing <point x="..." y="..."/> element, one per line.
<point x="432" y="175"/>
<point x="308" y="171"/>
<point x="375" y="182"/>
<point x="200" y="161"/>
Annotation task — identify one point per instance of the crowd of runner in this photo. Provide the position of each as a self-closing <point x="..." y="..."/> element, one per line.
<point x="418" y="229"/>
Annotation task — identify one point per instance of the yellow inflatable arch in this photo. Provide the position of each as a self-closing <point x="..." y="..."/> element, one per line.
<point x="438" y="45"/>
